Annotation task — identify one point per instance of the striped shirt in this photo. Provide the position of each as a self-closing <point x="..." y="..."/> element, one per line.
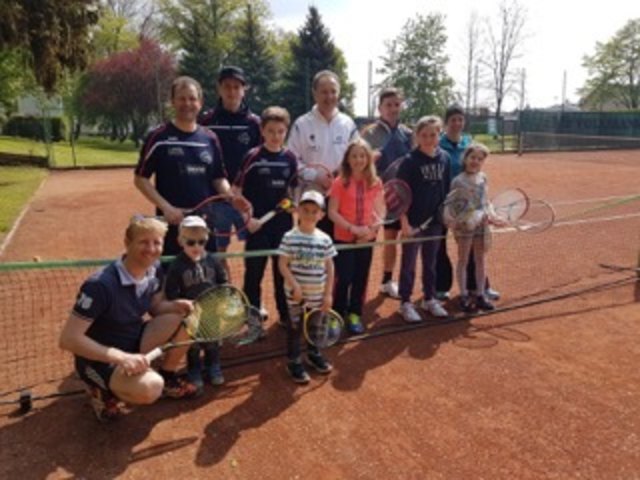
<point x="307" y="256"/>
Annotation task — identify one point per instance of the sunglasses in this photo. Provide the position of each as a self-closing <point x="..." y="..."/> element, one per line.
<point x="191" y="242"/>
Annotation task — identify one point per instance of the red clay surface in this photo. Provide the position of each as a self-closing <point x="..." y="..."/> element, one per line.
<point x="548" y="391"/>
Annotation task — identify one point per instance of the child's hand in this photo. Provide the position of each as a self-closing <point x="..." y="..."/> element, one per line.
<point x="183" y="306"/>
<point x="360" y="231"/>
<point x="296" y="294"/>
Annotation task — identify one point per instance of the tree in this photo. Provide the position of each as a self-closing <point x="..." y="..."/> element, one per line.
<point x="53" y="33"/>
<point x="14" y="80"/>
<point x="506" y="39"/>
<point x="203" y="31"/>
<point x="473" y="54"/>
<point x="253" y="54"/>
<point x="113" y="33"/>
<point x="415" y="62"/>
<point x="136" y="81"/>
<point x="312" y="51"/>
<point x="614" y="70"/>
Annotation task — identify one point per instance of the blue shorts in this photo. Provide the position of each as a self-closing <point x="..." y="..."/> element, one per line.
<point x="226" y="217"/>
<point x="97" y="374"/>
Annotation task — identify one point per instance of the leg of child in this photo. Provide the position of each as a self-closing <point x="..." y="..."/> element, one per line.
<point x="408" y="270"/>
<point x="478" y="256"/>
<point x="278" y="286"/>
<point x="194" y="365"/>
<point x="212" y="363"/>
<point x="464" y="250"/>
<point x="344" y="269"/>
<point x="254" y="268"/>
<point x="362" y="266"/>
<point x="429" y="258"/>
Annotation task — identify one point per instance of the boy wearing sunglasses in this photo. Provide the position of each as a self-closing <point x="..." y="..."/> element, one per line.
<point x="193" y="271"/>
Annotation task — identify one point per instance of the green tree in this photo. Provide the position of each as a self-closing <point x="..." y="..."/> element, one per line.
<point x="312" y="51"/>
<point x="203" y="31"/>
<point x="113" y="33"/>
<point x="14" y="79"/>
<point x="415" y="62"/>
<point x="254" y="55"/>
<point x="53" y="33"/>
<point x="614" y="71"/>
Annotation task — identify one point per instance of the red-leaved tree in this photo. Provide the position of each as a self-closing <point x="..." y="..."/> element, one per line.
<point x="127" y="89"/>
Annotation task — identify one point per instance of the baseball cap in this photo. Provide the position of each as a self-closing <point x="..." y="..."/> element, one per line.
<point x="193" y="221"/>
<point x="313" y="197"/>
<point x="232" y="72"/>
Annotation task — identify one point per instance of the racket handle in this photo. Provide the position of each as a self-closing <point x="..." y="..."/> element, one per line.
<point x="266" y="217"/>
<point x="154" y="354"/>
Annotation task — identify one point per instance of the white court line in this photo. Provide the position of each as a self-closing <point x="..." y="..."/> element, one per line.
<point x="16" y="223"/>
<point x="595" y="200"/>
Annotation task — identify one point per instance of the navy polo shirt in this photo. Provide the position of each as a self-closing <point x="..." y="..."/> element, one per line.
<point x="185" y="164"/>
<point x="265" y="179"/>
<point x="238" y="132"/>
<point x="115" y="303"/>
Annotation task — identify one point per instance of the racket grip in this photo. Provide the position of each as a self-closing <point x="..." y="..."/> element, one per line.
<point x="154" y="354"/>
<point x="266" y="217"/>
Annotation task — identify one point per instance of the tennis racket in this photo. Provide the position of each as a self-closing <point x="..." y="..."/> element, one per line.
<point x="321" y="329"/>
<point x="539" y="217"/>
<point x="459" y="210"/>
<point x="206" y="210"/>
<point x="397" y="200"/>
<point x="510" y="205"/>
<point x="284" y="205"/>
<point x="218" y="313"/>
<point x="313" y="176"/>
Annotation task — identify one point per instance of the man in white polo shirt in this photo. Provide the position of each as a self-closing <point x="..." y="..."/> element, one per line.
<point x="322" y="134"/>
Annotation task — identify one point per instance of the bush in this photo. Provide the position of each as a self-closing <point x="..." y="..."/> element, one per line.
<point x="33" y="127"/>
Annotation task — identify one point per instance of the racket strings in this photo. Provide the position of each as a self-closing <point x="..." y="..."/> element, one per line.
<point x="323" y="329"/>
<point x="218" y="313"/>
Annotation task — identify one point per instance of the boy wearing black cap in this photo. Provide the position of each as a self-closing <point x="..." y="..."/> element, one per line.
<point x="238" y="130"/>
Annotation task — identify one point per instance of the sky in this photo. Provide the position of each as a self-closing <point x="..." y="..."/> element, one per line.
<point x="558" y="34"/>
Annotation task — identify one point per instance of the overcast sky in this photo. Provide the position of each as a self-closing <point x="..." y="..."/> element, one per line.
<point x="559" y="33"/>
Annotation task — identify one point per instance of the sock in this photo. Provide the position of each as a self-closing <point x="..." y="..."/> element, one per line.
<point x="386" y="277"/>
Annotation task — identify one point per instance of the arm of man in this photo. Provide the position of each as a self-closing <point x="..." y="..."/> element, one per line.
<point x="172" y="214"/>
<point x="160" y="305"/>
<point x="74" y="339"/>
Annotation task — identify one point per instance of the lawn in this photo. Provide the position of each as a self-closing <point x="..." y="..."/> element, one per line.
<point x="89" y="151"/>
<point x="17" y="185"/>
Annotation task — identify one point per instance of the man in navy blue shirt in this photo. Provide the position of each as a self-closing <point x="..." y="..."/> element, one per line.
<point x="109" y="329"/>
<point x="239" y="131"/>
<point x="186" y="160"/>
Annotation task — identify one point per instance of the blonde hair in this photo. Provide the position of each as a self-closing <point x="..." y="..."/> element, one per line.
<point x="474" y="147"/>
<point x="370" y="174"/>
<point x="139" y="224"/>
<point x="427" y="121"/>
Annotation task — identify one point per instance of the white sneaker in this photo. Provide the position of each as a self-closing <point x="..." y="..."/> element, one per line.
<point x="492" y="294"/>
<point x="409" y="313"/>
<point x="390" y="289"/>
<point x="434" y="307"/>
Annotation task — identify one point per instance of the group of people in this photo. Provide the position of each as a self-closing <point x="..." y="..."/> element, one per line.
<point x="133" y="306"/>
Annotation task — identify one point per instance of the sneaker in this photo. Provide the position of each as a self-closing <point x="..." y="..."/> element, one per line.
<point x="466" y="304"/>
<point x="319" y="363"/>
<point x="354" y="325"/>
<point x="409" y="313"/>
<point x="106" y="406"/>
<point x="390" y="289"/>
<point x="492" y="294"/>
<point x="214" y="374"/>
<point x="434" y="307"/>
<point x="178" y="386"/>
<point x="297" y="372"/>
<point x="442" y="296"/>
<point x="483" y="304"/>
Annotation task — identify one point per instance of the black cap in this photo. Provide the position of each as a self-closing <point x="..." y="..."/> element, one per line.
<point x="232" y="72"/>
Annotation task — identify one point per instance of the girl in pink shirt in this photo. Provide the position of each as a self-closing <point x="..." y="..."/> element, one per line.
<point x="354" y="195"/>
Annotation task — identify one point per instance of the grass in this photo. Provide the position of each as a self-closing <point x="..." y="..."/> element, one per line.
<point x="16" y="188"/>
<point x="90" y="151"/>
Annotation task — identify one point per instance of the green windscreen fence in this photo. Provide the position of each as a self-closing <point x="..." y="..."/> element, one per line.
<point x="561" y="130"/>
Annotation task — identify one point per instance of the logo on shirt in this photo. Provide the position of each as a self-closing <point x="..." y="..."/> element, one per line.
<point x="244" y="138"/>
<point x="84" y="301"/>
<point x="175" y="152"/>
<point x="205" y="157"/>
<point x="338" y="140"/>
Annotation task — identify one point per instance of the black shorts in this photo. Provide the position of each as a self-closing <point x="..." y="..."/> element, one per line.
<point x="96" y="374"/>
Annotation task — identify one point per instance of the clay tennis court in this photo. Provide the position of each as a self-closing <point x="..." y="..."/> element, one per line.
<point x="547" y="388"/>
